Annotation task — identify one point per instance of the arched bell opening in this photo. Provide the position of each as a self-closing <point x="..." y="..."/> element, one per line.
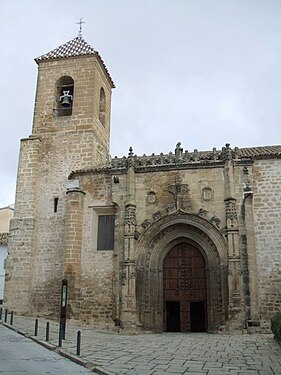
<point x="65" y="94"/>
<point x="202" y="240"/>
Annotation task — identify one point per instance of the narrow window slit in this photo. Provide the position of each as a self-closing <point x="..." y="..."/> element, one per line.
<point x="56" y="202"/>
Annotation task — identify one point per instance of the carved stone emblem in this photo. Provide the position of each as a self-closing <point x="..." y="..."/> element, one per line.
<point x="179" y="190"/>
<point x="207" y="193"/>
<point x="151" y="197"/>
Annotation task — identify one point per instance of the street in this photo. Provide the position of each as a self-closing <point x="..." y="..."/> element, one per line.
<point x="144" y="354"/>
<point x="20" y="355"/>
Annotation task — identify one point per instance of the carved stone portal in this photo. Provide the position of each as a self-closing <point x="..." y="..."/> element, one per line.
<point x="189" y="231"/>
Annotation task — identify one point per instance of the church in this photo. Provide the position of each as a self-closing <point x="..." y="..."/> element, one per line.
<point x="188" y="241"/>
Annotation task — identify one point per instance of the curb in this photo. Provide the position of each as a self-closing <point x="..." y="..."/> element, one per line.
<point x="74" y="358"/>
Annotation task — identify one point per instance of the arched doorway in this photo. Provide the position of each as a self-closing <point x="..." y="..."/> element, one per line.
<point x="155" y="245"/>
<point x="185" y="290"/>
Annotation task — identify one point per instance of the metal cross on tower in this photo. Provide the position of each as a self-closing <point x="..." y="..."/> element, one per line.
<point x="80" y="26"/>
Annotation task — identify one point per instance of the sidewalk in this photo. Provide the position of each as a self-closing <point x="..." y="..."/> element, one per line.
<point x="161" y="354"/>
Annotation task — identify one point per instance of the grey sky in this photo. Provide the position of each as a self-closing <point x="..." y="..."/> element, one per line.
<point x="201" y="72"/>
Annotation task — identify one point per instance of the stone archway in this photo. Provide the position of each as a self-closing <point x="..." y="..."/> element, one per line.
<point x="152" y="249"/>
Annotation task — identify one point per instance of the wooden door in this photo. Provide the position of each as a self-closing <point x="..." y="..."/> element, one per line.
<point x="184" y="281"/>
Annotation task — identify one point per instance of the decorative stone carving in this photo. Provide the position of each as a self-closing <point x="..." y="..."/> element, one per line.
<point x="186" y="206"/>
<point x="229" y="154"/>
<point x="4" y="238"/>
<point x="245" y="171"/>
<point x="215" y="221"/>
<point x="151" y="197"/>
<point x="247" y="190"/>
<point x="171" y="209"/>
<point x="146" y="223"/>
<point x="195" y="156"/>
<point x="123" y="276"/>
<point x="207" y="193"/>
<point x="176" y="159"/>
<point x="130" y="214"/>
<point x="226" y="152"/>
<point x="214" y="154"/>
<point x="230" y="204"/>
<point x="202" y="212"/>
<point x="179" y="190"/>
<point x="236" y="153"/>
<point x="137" y="235"/>
<point x="132" y="273"/>
<point x="157" y="215"/>
<point x="148" y="270"/>
<point x="178" y="151"/>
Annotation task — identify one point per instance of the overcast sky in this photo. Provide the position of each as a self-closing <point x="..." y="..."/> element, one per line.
<point x="202" y="72"/>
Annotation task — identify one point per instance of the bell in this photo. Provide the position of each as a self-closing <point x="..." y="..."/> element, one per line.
<point x="65" y="99"/>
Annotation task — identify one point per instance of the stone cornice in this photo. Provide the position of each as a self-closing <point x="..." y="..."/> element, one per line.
<point x="181" y="160"/>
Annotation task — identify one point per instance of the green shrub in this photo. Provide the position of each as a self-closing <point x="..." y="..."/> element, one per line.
<point x="276" y="326"/>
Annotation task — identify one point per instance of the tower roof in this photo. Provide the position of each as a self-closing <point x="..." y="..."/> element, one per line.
<point x="75" y="47"/>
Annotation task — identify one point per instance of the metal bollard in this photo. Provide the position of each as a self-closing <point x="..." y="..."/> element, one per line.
<point x="11" y="318"/>
<point x="1" y="309"/>
<point x="47" y="331"/>
<point x="78" y="345"/>
<point x="60" y="336"/>
<point x="36" y="327"/>
<point x="6" y="315"/>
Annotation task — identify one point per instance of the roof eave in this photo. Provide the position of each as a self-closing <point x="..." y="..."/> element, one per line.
<point x="40" y="60"/>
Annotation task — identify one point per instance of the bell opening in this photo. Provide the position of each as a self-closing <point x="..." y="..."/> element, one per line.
<point x="65" y="90"/>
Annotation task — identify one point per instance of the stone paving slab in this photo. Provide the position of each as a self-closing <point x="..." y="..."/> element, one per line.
<point x="110" y="353"/>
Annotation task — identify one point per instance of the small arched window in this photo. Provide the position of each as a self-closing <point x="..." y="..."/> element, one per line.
<point x="102" y="106"/>
<point x="65" y="92"/>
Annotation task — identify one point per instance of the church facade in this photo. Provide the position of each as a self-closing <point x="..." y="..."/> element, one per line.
<point x="185" y="241"/>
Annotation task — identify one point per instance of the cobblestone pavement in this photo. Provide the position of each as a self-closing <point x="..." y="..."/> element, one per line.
<point x="167" y="353"/>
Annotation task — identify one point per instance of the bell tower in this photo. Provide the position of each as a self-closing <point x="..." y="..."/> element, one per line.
<point x="71" y="131"/>
<point x="74" y="95"/>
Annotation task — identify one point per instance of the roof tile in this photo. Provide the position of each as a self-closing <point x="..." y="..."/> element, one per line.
<point x="75" y="47"/>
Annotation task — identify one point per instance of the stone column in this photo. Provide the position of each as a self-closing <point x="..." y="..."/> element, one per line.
<point x="72" y="251"/>
<point x="22" y="247"/>
<point x="250" y="274"/>
<point x="128" y="274"/>
<point x="235" y="293"/>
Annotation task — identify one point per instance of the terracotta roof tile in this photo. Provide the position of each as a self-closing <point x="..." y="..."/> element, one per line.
<point x="75" y="47"/>
<point x="260" y="151"/>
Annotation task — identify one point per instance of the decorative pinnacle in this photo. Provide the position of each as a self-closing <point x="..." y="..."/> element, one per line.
<point x="80" y="26"/>
<point x="130" y="154"/>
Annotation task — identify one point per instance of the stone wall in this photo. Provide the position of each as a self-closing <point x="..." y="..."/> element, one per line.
<point x="58" y="145"/>
<point x="267" y="221"/>
<point x="96" y="301"/>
